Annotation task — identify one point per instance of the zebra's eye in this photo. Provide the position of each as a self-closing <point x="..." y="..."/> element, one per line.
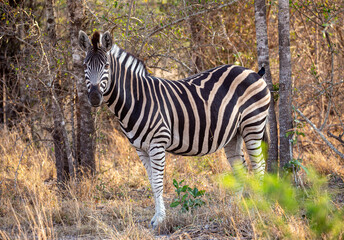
<point x="85" y="66"/>
<point x="106" y="67"/>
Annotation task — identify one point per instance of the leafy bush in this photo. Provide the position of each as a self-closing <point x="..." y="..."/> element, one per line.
<point x="187" y="198"/>
<point x="277" y="202"/>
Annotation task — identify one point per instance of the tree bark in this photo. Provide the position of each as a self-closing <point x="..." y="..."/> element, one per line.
<point x="63" y="157"/>
<point x="85" y="122"/>
<point x="4" y="100"/>
<point x="197" y="39"/>
<point x="263" y="61"/>
<point x="285" y="113"/>
<point x="50" y="16"/>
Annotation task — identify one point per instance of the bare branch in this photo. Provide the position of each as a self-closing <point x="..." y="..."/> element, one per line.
<point x="320" y="133"/>
<point x="173" y="58"/>
<point x="338" y="138"/>
<point x="153" y="32"/>
<point x="128" y="22"/>
<point x="332" y="76"/>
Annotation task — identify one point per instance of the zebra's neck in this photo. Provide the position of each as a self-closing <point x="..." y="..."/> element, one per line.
<point x="127" y="72"/>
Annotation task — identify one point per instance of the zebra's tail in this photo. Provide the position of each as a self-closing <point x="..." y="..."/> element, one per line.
<point x="266" y="140"/>
<point x="261" y="72"/>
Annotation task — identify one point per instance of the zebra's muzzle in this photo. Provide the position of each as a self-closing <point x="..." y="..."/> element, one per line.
<point x="94" y="96"/>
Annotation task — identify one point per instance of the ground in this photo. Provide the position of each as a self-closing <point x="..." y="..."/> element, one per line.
<point x="117" y="202"/>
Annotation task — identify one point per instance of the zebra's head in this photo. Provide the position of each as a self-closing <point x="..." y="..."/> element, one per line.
<point x="97" y="65"/>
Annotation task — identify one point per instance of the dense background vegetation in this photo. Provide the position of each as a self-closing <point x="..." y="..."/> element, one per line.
<point x="39" y="90"/>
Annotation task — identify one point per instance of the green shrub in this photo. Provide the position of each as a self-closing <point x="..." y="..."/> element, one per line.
<point x="187" y="198"/>
<point x="277" y="200"/>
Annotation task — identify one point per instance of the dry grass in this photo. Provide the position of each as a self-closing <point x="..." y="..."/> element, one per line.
<point x="117" y="203"/>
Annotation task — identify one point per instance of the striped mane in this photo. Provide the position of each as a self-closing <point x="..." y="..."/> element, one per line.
<point x="132" y="62"/>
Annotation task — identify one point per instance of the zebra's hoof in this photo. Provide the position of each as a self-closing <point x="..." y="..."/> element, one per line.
<point x="156" y="220"/>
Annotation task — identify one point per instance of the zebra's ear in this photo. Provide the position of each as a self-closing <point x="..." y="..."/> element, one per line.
<point x="84" y="41"/>
<point x="107" y="41"/>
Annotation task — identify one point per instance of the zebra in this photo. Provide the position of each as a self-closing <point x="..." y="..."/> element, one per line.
<point x="219" y="108"/>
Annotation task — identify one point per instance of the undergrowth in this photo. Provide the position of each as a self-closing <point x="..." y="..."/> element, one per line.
<point x="277" y="203"/>
<point x="189" y="199"/>
<point x="117" y="202"/>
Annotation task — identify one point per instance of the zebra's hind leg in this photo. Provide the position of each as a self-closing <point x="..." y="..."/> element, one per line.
<point x="235" y="156"/>
<point x="255" y="149"/>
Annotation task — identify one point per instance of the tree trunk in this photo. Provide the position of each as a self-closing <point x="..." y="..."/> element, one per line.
<point x="263" y="61"/>
<point x="4" y="99"/>
<point x="285" y="113"/>
<point x="63" y="159"/>
<point x="85" y="123"/>
<point x="197" y="39"/>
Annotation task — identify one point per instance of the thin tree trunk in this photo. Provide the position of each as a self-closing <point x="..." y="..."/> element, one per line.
<point x="263" y="61"/>
<point x="85" y="122"/>
<point x="4" y="99"/>
<point x="197" y="39"/>
<point x="285" y="113"/>
<point x="63" y="159"/>
<point x="68" y="151"/>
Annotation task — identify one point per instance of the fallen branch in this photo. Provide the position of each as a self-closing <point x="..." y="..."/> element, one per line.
<point x="319" y="132"/>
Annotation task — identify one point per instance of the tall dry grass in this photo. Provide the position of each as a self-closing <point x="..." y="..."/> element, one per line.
<point x="117" y="202"/>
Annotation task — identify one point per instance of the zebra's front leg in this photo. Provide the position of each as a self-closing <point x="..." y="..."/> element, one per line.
<point x="154" y="163"/>
<point x="157" y="160"/>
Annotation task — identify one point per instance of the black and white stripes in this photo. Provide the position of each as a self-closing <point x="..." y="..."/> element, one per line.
<point x="219" y="108"/>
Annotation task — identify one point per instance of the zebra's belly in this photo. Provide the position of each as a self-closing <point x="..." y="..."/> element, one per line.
<point x="195" y="146"/>
<point x="192" y="153"/>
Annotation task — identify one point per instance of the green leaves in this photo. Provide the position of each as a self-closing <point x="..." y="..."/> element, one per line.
<point x="188" y="198"/>
<point x="174" y="204"/>
<point x="277" y="201"/>
<point x="281" y="191"/>
<point x="295" y="164"/>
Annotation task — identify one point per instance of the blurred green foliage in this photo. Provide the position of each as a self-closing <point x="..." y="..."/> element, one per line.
<point x="277" y="201"/>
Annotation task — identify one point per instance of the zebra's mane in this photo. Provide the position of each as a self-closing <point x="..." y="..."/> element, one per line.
<point x="96" y="40"/>
<point x="131" y="61"/>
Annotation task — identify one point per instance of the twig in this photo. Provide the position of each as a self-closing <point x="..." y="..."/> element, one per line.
<point x="305" y="15"/>
<point x="174" y="59"/>
<point x="184" y="19"/>
<point x="128" y="21"/>
<point x="332" y="76"/>
<point x="302" y="185"/>
<point x="319" y="132"/>
<point x="190" y="16"/>
<point x="92" y="12"/>
<point x="338" y="138"/>
<point x="33" y="47"/>
<point x="228" y="40"/>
